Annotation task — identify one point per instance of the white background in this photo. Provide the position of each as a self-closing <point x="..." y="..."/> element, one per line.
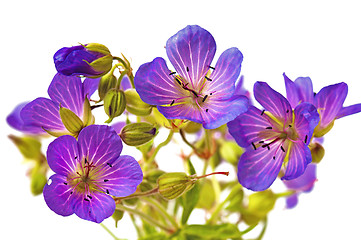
<point x="320" y="39"/>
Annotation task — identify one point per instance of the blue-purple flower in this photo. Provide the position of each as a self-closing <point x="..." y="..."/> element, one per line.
<point x="197" y="91"/>
<point x="273" y="137"/>
<point x="67" y="92"/>
<point x="328" y="101"/>
<point x="90" y="60"/>
<point x="302" y="184"/>
<point x="88" y="172"/>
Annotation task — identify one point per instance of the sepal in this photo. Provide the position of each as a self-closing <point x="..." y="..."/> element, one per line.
<point x="114" y="103"/>
<point x="136" y="134"/>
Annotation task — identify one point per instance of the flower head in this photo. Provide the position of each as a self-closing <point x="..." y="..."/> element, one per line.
<point x="88" y="172"/>
<point x="90" y="60"/>
<point x="275" y="136"/>
<point x="328" y="101"/>
<point x="302" y="184"/>
<point x="64" y="91"/>
<point x="196" y="91"/>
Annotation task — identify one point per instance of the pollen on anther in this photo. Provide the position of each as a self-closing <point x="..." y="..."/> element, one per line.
<point x="205" y="97"/>
<point x="274" y="157"/>
<point x="179" y="82"/>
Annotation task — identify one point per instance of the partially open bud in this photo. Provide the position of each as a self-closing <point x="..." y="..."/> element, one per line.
<point x="135" y="105"/>
<point x="90" y="60"/>
<point x="114" y="103"/>
<point x="317" y="152"/>
<point x="107" y="82"/>
<point x="136" y="134"/>
<point x="173" y="185"/>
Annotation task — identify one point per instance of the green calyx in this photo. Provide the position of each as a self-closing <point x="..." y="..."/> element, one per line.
<point x="114" y="103"/>
<point x="135" y="105"/>
<point x="173" y="185"/>
<point x="136" y="134"/>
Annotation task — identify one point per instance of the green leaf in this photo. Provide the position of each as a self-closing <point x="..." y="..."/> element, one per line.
<point x="221" y="232"/>
<point x="207" y="195"/>
<point x="29" y="147"/>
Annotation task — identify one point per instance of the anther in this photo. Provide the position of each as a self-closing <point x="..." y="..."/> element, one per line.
<point x="71" y="192"/>
<point x="107" y="191"/>
<point x="207" y="110"/>
<point x="85" y="199"/>
<point x="314" y="94"/>
<point x="187" y="69"/>
<point x="254" y="146"/>
<point x="172" y="73"/>
<point x="179" y="82"/>
<point x="266" y="146"/>
<point x="90" y="197"/>
<point x="109" y="165"/>
<point x="194" y="92"/>
<point x="261" y="141"/>
<point x="211" y="94"/>
<point x="76" y="157"/>
<point x="65" y="183"/>
<point x="268" y="127"/>
<point x="306" y="139"/>
<point x="287" y="111"/>
<point x="211" y="67"/>
<point x="290" y="125"/>
<point x="262" y="112"/>
<point x="172" y="102"/>
<point x="205" y="97"/>
<point x="207" y="78"/>
<point x="106" y="180"/>
<point x="85" y="161"/>
<point x="283" y="150"/>
<point x="274" y="157"/>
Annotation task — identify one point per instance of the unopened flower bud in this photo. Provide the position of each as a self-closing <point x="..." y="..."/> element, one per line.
<point x="114" y="103"/>
<point x="317" y="152"/>
<point x="38" y="180"/>
<point x="173" y="185"/>
<point x="90" y="60"/>
<point x="107" y="82"/>
<point x="231" y="152"/>
<point x="29" y="147"/>
<point x="136" y="134"/>
<point x="135" y="105"/>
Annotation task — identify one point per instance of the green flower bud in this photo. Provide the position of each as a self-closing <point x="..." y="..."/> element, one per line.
<point x="317" y="152"/>
<point x="259" y="205"/>
<point x="70" y="120"/>
<point x="135" y="105"/>
<point x="38" y="180"/>
<point x="117" y="216"/>
<point x="29" y="147"/>
<point x="107" y="82"/>
<point x="173" y="185"/>
<point x="153" y="175"/>
<point x="97" y="47"/>
<point x="114" y="103"/>
<point x="136" y="134"/>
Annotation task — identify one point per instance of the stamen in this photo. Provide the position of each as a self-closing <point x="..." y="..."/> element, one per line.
<point x="290" y="126"/>
<point x="172" y="102"/>
<point x="283" y="150"/>
<point x="71" y="192"/>
<point x="172" y="73"/>
<point x="211" y="67"/>
<point x="76" y="157"/>
<point x="266" y="146"/>
<point x="287" y="111"/>
<point x="254" y="146"/>
<point x="261" y="141"/>
<point x="268" y="127"/>
<point x="306" y="139"/>
<point x="211" y="94"/>
<point x="207" y="110"/>
<point x="65" y="183"/>
<point x="178" y="81"/>
<point x="85" y="161"/>
<point x="314" y="94"/>
<point x="207" y="78"/>
<point x="109" y="165"/>
<point x="187" y="69"/>
<point x="107" y="191"/>
<point x="262" y="112"/>
<point x="274" y="157"/>
<point x="106" y="180"/>
<point x="90" y="197"/>
<point x="194" y="92"/>
<point x="85" y="199"/>
<point x="205" y="97"/>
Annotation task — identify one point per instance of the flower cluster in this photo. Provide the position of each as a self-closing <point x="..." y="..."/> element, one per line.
<point x="197" y="97"/>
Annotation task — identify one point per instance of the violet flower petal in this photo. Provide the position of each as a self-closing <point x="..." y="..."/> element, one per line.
<point x="299" y="158"/>
<point x="345" y="111"/>
<point x="44" y="113"/>
<point x="57" y="195"/>
<point x="90" y="85"/>
<point x="96" y="209"/>
<point x="257" y="169"/>
<point x="100" y="144"/>
<point x="227" y="70"/>
<point x="63" y="154"/>
<point x="304" y="182"/>
<point x="305" y="89"/>
<point x="291" y="201"/>
<point x="123" y="178"/>
<point x="329" y="101"/>
<point x="291" y="91"/>
<point x="154" y="84"/>
<point x="67" y="91"/>
<point x="191" y="51"/>
<point x="306" y="119"/>
<point x="273" y="102"/>
<point x="15" y="121"/>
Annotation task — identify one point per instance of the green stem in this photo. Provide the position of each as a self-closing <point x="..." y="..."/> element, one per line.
<point x="131" y="79"/>
<point x="181" y="132"/>
<point x="123" y="63"/>
<point x="284" y="194"/>
<point x="107" y="229"/>
<point x="145" y="217"/>
<point x="120" y="79"/>
<point x="162" y="210"/>
<point x="263" y="229"/>
<point x="162" y="144"/>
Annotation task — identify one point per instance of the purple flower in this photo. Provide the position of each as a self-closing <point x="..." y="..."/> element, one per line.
<point x="196" y="91"/>
<point x="69" y="92"/>
<point x="88" y="172"/>
<point x="273" y="137"/>
<point x="328" y="101"/>
<point x="302" y="184"/>
<point x="90" y="60"/>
